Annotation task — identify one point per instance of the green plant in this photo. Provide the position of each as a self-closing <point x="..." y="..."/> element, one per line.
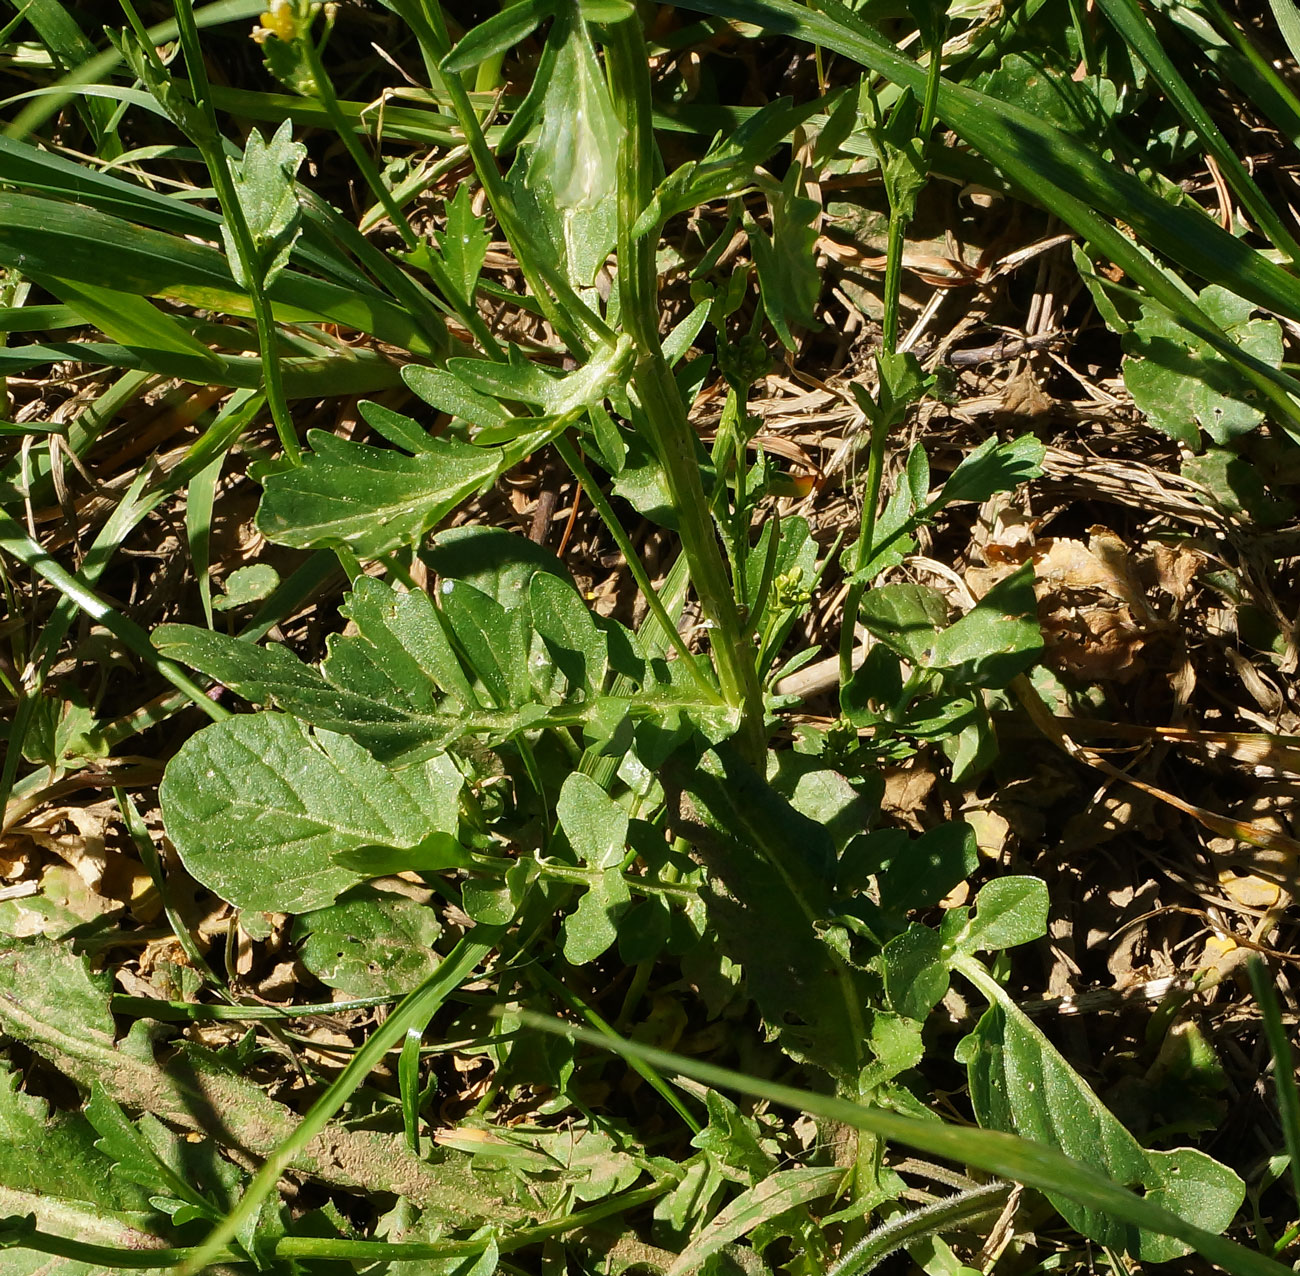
<point x="574" y="787"/>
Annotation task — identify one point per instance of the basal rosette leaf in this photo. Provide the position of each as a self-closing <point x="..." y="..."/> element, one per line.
<point x="770" y="870"/>
<point x="411" y="680"/>
<point x="272" y="676"/>
<point x="258" y="806"/>
<point x="52" y="1172"/>
<point x="370" y="944"/>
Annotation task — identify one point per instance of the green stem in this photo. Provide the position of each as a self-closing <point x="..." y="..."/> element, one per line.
<point x="352" y="143"/>
<point x="639" y="885"/>
<point x="1288" y="1237"/>
<point x="106" y="1257"/>
<point x="866" y="535"/>
<point x="411" y="1251"/>
<point x="899" y="219"/>
<point x="671" y="433"/>
<point x="199" y="1012"/>
<point x="940" y="1216"/>
<point x="209" y="147"/>
<point x="466" y="312"/>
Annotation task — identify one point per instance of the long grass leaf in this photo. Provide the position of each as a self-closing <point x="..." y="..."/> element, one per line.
<point x="1236" y="59"/>
<point x="39" y="171"/>
<point x="38" y="318"/>
<point x="1287" y="17"/>
<point x="1137" y="32"/>
<point x="198" y="529"/>
<point x="35" y="171"/>
<point x="131" y="321"/>
<point x="69" y="48"/>
<point x="1288" y="1100"/>
<point x="48" y="237"/>
<point x="356" y="372"/>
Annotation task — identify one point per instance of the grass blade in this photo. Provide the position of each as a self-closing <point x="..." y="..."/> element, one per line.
<point x="1288" y="1098"/>
<point x="1287" y="17"/>
<point x="24" y="166"/>
<point x="356" y="372"/>
<point x="69" y="48"/>
<point x="131" y="321"/>
<point x="1236" y="59"/>
<point x="48" y="237"/>
<point x="102" y="64"/>
<point x="198" y="529"/>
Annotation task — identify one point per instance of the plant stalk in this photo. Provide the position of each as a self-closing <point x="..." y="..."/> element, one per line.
<point x="671" y="433"/>
<point x="899" y="219"/>
<point x="210" y="148"/>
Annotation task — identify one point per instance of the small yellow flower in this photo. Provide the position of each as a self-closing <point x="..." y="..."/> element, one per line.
<point x="279" y="21"/>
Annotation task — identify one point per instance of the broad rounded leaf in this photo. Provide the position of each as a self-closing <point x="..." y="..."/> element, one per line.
<point x="905" y="618"/>
<point x="594" y="823"/>
<point x="994" y="467"/>
<point x="1181" y="383"/>
<point x="258" y="806"/>
<point x="569" y="631"/>
<point x="926" y="868"/>
<point x="1008" y="911"/>
<point x="916" y="971"/>
<point x="371" y="944"/>
<point x="994" y="641"/>
<point x="593" y="926"/>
